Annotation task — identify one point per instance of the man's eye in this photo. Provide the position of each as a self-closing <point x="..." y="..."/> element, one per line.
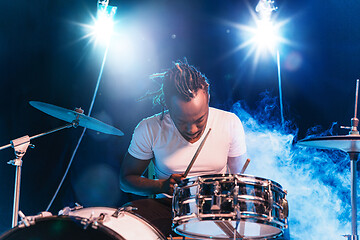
<point x="200" y="120"/>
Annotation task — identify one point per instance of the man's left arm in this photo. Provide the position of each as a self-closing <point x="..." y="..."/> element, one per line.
<point x="235" y="164"/>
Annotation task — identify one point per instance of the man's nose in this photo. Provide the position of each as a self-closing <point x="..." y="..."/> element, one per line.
<point x="191" y="128"/>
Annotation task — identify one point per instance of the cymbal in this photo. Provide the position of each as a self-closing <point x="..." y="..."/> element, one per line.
<point x="347" y="143"/>
<point x="70" y="116"/>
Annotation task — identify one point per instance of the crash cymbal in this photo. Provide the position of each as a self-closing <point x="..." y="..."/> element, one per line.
<point x="70" y="116"/>
<point x="347" y="143"/>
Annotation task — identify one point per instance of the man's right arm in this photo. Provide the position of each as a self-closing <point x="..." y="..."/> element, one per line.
<point x="131" y="179"/>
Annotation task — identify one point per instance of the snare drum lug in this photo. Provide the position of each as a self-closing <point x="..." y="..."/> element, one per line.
<point x="215" y="201"/>
<point x="285" y="209"/>
<point x="236" y="196"/>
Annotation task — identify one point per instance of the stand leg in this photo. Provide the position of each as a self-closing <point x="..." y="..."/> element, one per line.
<point x="16" y="196"/>
<point x="353" y="158"/>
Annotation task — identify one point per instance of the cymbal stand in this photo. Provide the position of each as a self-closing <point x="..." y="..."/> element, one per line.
<point x="353" y="159"/>
<point x="20" y="146"/>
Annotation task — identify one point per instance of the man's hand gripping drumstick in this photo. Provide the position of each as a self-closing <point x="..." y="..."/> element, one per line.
<point x="169" y="184"/>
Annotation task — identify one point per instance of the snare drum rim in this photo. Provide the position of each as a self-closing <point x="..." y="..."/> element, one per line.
<point x="195" y="235"/>
<point x="227" y="175"/>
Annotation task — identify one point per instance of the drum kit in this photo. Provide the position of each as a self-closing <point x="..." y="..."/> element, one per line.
<point x="220" y="206"/>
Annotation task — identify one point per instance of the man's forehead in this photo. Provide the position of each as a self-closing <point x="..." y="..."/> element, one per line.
<point x="196" y="107"/>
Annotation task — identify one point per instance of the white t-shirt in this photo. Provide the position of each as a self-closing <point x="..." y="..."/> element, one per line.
<point x="161" y="140"/>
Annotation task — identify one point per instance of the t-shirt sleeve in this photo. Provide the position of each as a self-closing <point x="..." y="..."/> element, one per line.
<point x="237" y="145"/>
<point x="141" y="142"/>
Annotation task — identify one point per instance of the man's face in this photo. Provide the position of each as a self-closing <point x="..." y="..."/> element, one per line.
<point x="190" y="117"/>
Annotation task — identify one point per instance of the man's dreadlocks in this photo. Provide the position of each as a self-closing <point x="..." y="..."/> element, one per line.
<point x="182" y="80"/>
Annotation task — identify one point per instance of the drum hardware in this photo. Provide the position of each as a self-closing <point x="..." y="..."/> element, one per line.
<point x="87" y="220"/>
<point x="351" y="145"/>
<point x="285" y="207"/>
<point x="93" y="221"/>
<point x="271" y="200"/>
<point x="215" y="201"/>
<point x="20" y="145"/>
<point x="66" y="210"/>
<point x="120" y="211"/>
<point x="236" y="205"/>
<point x="30" y="220"/>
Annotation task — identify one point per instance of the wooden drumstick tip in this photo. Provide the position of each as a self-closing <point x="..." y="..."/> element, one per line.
<point x="245" y="166"/>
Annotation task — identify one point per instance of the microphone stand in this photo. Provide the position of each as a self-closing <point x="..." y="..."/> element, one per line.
<point x="20" y="146"/>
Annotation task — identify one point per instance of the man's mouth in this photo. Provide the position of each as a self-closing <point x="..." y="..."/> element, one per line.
<point x="193" y="136"/>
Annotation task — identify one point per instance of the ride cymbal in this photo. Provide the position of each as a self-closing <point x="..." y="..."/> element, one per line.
<point x="80" y="118"/>
<point x="347" y="143"/>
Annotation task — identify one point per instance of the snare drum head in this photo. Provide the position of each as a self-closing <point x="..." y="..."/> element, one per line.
<point x="59" y="228"/>
<point x="225" y="229"/>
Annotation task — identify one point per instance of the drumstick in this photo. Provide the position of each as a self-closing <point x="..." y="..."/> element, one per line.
<point x="196" y="154"/>
<point x="245" y="166"/>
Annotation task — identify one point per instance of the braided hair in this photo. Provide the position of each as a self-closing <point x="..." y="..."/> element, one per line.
<point x="182" y="80"/>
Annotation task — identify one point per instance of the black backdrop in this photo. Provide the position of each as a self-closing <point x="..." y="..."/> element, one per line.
<point x="44" y="58"/>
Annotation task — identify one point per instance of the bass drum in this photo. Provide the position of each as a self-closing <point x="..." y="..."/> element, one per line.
<point x="59" y="228"/>
<point x="126" y="223"/>
<point x="87" y="223"/>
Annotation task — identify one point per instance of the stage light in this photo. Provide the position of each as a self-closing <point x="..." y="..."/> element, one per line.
<point x="104" y="23"/>
<point x="261" y="35"/>
<point x="265" y="35"/>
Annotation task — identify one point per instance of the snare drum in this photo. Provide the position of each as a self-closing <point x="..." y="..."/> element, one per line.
<point x="213" y="206"/>
<point x="87" y="223"/>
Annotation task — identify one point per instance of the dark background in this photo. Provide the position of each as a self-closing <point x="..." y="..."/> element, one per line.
<point x="44" y="57"/>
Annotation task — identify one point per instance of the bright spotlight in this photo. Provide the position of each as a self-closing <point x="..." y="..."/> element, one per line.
<point x="103" y="27"/>
<point x="265" y="35"/>
<point x="262" y="34"/>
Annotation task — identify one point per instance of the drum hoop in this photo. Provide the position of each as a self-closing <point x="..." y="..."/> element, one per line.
<point x="196" y="235"/>
<point x="238" y="176"/>
<point x="220" y="217"/>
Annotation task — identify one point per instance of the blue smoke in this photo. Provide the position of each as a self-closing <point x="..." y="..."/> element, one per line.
<point x="317" y="182"/>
